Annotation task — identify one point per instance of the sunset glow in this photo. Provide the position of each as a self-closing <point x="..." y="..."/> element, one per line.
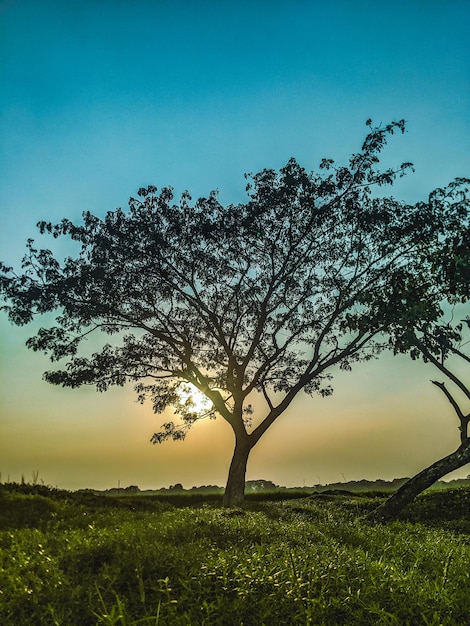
<point x="194" y="399"/>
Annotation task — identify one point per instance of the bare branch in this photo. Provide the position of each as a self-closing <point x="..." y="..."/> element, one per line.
<point x="464" y="419"/>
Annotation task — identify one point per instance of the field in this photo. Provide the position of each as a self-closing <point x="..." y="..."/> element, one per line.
<point x="77" y="559"/>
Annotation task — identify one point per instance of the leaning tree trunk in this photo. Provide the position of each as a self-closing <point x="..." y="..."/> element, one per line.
<point x="414" y="486"/>
<point x="235" y="489"/>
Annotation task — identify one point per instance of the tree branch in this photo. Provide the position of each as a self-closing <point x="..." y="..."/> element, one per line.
<point x="441" y="367"/>
<point x="464" y="419"/>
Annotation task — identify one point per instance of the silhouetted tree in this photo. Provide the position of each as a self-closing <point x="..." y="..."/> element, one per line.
<point x="265" y="297"/>
<point x="446" y="346"/>
<point x="260" y="485"/>
<point x="177" y="487"/>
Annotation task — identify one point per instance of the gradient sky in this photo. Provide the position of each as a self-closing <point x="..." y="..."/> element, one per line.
<point x="101" y="97"/>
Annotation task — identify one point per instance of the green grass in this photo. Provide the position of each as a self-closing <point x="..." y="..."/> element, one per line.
<point x="77" y="559"/>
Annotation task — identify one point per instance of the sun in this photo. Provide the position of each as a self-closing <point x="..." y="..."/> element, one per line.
<point x="195" y="400"/>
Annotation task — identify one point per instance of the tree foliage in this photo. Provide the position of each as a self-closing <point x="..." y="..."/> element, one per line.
<point x="262" y="297"/>
<point x="443" y="343"/>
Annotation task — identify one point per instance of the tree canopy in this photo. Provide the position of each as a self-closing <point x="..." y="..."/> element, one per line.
<point x="263" y="297"/>
<point x="444" y="343"/>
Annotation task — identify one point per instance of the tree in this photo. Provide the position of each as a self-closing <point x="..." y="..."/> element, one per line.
<point x="260" y="485"/>
<point x="177" y="487"/>
<point x="461" y="455"/>
<point x="262" y="299"/>
<point x="445" y="345"/>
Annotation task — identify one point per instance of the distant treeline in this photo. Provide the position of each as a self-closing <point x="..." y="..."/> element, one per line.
<point x="256" y="486"/>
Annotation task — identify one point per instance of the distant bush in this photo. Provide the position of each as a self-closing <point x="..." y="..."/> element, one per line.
<point x="33" y="489"/>
<point x="18" y="510"/>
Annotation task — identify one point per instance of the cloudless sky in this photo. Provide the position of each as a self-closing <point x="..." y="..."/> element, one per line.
<point x="101" y="97"/>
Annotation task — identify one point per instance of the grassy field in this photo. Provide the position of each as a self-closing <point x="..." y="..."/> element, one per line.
<point x="74" y="559"/>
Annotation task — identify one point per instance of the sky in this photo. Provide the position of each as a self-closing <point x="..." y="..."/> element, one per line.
<point x="101" y="97"/>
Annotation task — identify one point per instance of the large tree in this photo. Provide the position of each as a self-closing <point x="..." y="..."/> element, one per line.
<point x="261" y="299"/>
<point x="444" y="343"/>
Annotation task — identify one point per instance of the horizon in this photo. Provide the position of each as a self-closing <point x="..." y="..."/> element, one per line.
<point x="179" y="487"/>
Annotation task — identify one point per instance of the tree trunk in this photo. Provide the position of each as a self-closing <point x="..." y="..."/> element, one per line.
<point x="414" y="486"/>
<point x="235" y="489"/>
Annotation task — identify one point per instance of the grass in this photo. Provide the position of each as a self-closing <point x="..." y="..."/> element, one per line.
<point x="77" y="559"/>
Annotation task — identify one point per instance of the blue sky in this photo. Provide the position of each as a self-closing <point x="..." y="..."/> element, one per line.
<point x="98" y="98"/>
